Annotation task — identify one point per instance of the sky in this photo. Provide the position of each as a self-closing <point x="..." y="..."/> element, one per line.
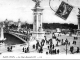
<point x="21" y="9"/>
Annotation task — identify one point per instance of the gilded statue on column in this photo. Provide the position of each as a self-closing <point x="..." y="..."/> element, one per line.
<point x="37" y="3"/>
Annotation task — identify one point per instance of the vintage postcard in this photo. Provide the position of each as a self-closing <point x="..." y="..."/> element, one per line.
<point x="39" y="29"/>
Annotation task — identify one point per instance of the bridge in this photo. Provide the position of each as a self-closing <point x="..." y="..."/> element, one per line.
<point x="22" y="36"/>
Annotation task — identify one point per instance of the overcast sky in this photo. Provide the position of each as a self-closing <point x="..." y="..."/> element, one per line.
<point x="21" y="9"/>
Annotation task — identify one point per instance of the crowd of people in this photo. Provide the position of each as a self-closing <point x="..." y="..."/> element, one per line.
<point x="51" y="47"/>
<point x="26" y="50"/>
<point x="9" y="49"/>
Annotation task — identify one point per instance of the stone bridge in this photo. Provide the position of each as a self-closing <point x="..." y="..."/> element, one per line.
<point x="21" y="36"/>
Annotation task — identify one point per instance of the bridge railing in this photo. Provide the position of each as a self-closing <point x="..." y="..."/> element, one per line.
<point x="17" y="36"/>
<point x="22" y="36"/>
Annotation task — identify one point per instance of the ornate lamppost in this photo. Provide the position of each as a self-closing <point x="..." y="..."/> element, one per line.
<point x="78" y="31"/>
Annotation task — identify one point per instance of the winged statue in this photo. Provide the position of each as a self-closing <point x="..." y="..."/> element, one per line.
<point x="37" y="3"/>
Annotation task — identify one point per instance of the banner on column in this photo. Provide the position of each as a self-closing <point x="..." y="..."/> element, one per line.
<point x="64" y="10"/>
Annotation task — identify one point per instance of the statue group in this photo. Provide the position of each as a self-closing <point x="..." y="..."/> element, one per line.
<point x="37" y="3"/>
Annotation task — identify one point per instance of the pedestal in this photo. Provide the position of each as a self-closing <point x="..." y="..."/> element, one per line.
<point x="38" y="35"/>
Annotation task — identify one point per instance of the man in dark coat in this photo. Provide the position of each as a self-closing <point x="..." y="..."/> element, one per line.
<point x="77" y="50"/>
<point x="71" y="49"/>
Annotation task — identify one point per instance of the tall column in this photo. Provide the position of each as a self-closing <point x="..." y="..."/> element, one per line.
<point x="40" y="21"/>
<point x="78" y="18"/>
<point x="78" y="31"/>
<point x="37" y="19"/>
<point x="2" y="32"/>
<point x="37" y="25"/>
<point x="78" y="21"/>
<point x="19" y="24"/>
<point x="35" y="22"/>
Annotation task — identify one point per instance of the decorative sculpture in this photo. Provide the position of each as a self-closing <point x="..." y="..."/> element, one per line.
<point x="37" y="3"/>
<point x="79" y="10"/>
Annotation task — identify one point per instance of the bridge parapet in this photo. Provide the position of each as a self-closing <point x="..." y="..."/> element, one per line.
<point x="20" y="36"/>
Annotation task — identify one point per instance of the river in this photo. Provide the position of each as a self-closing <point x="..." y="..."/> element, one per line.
<point x="12" y="40"/>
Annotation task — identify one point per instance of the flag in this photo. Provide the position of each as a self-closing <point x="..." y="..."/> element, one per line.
<point x="64" y="10"/>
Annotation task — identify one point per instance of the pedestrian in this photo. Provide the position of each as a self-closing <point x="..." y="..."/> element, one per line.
<point x="69" y="43"/>
<point x="74" y="38"/>
<point x="50" y="40"/>
<point x="7" y="48"/>
<point x="57" y="43"/>
<point x="27" y="49"/>
<point x="77" y="50"/>
<point x="47" y="42"/>
<point x="46" y="52"/>
<point x="58" y="51"/>
<point x="33" y="46"/>
<point x="11" y="48"/>
<point x="55" y="51"/>
<point x="26" y="39"/>
<point x="58" y="35"/>
<point x="43" y="40"/>
<point x="23" y="49"/>
<point x="49" y="51"/>
<point x="48" y="47"/>
<point x="45" y="37"/>
<point x="40" y="50"/>
<point x="42" y="44"/>
<point x="53" y="46"/>
<point x="62" y="42"/>
<point x="36" y="46"/>
<point x="75" y="42"/>
<point x="71" y="49"/>
<point x="66" y="40"/>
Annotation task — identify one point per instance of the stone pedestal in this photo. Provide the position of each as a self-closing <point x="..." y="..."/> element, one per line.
<point x="38" y="35"/>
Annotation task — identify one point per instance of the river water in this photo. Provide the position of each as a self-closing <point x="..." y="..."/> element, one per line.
<point x="12" y="40"/>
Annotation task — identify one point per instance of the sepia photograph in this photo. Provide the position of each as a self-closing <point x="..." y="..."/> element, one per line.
<point x="39" y="29"/>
